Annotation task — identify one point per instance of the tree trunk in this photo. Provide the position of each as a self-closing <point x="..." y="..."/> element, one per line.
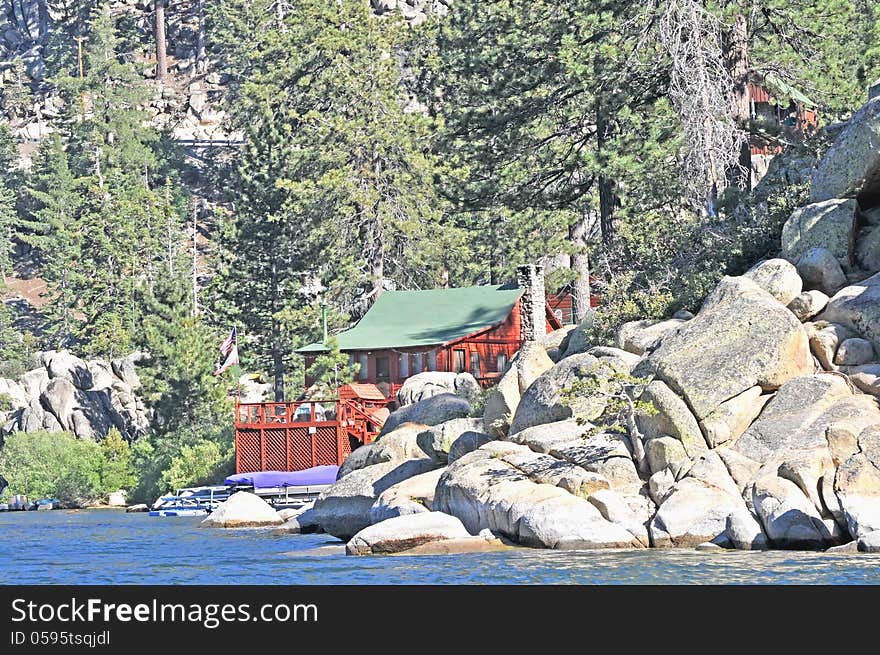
<point x="736" y="60"/>
<point x="44" y="20"/>
<point x="277" y="354"/>
<point x="607" y="199"/>
<point x="201" y="56"/>
<point x="377" y="237"/>
<point x="580" y="267"/>
<point x="161" y="57"/>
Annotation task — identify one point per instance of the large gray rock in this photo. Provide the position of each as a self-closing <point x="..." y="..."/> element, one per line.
<point x="741" y="468"/>
<point x="102" y="374"/>
<point x="407" y="441"/>
<point x="857" y="485"/>
<point x="434" y="383"/>
<point x="412" y="496"/>
<point x="638" y="337"/>
<point x="777" y="277"/>
<point x="486" y="492"/>
<point x="124" y="368"/>
<point x="438" y="439"/>
<point x="402" y="533"/>
<point x="553" y="342"/>
<point x="868" y="249"/>
<point x="869" y="543"/>
<point x="854" y="352"/>
<point x="35" y="382"/>
<point x="578" y="340"/>
<point x="666" y="452"/>
<point x="430" y="411"/>
<point x="242" y="510"/>
<point x="741" y="338"/>
<point x="866" y="378"/>
<point x="63" y="365"/>
<point x="60" y="399"/>
<point x="821" y="270"/>
<point x="827" y="224"/>
<point x="626" y="360"/>
<point x="544" y="400"/>
<point x="824" y="340"/>
<point x="670" y="417"/>
<point x="812" y="471"/>
<point x="466" y="443"/>
<point x="807" y="304"/>
<point x="614" y="508"/>
<point x="529" y="363"/>
<point x="343" y="510"/>
<point x="857" y="307"/>
<point x="745" y="532"/>
<point x="798" y="416"/>
<point x="733" y="417"/>
<point x="852" y="164"/>
<point x="693" y="512"/>
<point x="789" y="518"/>
<point x="15" y="392"/>
<point x="607" y="454"/>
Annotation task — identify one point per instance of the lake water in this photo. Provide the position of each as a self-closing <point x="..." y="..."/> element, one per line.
<point x="111" y="547"/>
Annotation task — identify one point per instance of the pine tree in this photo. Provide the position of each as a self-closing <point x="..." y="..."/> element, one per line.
<point x="336" y="180"/>
<point x="50" y="225"/>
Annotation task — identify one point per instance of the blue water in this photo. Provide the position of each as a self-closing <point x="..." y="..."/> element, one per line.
<point x="111" y="547"/>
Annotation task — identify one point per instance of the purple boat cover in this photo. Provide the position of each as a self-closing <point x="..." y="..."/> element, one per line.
<point x="309" y="477"/>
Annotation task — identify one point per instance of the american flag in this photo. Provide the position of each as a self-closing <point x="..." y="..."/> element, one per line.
<point x="226" y="346"/>
<point x="229" y="350"/>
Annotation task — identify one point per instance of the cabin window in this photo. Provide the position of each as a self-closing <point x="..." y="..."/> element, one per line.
<point x="383" y="369"/>
<point x="418" y="363"/>
<point x="501" y="362"/>
<point x="432" y="360"/>
<point x="458" y="361"/>
<point x="404" y="366"/>
<point x="475" y="365"/>
<point x="364" y="372"/>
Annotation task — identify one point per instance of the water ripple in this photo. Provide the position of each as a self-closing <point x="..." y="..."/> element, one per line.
<point x="111" y="547"/>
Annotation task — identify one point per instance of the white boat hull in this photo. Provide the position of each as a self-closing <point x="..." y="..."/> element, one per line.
<point x="179" y="512"/>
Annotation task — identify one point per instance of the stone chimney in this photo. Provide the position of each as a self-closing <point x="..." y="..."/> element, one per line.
<point x="532" y="303"/>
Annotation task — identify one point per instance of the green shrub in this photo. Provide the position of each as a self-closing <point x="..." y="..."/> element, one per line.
<point x="205" y="462"/>
<point x="5" y="402"/>
<point x="117" y="471"/>
<point x="53" y="465"/>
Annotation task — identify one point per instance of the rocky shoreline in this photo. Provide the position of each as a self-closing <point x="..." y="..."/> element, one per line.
<point x="752" y="425"/>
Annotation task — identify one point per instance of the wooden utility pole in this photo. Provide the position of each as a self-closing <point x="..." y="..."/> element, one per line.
<point x="161" y="56"/>
<point x="79" y="53"/>
<point x="79" y="59"/>
<point x="195" y="262"/>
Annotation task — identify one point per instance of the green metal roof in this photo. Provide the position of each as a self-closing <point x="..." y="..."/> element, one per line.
<point x="407" y="319"/>
<point x="783" y="89"/>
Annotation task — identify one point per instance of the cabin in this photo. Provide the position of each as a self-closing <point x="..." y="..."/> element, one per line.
<point x="474" y="329"/>
<point x="561" y="303"/>
<point x="777" y="111"/>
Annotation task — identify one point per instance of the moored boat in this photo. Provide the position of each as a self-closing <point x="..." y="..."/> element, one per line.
<point x="180" y="506"/>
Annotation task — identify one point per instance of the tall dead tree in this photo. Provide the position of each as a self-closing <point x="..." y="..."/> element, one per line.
<point x="201" y="57"/>
<point x="736" y="61"/>
<point x="702" y="92"/>
<point x="161" y="56"/>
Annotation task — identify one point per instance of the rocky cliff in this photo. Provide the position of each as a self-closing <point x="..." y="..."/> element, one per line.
<point x="86" y="398"/>
<point x="754" y="424"/>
